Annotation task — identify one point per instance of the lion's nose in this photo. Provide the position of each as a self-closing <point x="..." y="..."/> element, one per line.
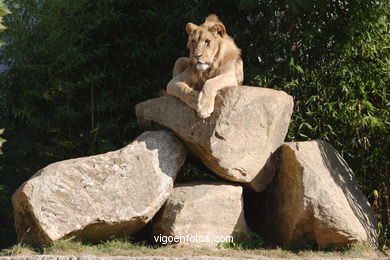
<point x="197" y="56"/>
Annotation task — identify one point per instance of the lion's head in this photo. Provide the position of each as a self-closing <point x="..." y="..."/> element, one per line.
<point x="204" y="42"/>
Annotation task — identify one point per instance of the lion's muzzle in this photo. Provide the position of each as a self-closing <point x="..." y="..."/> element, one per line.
<point x="202" y="66"/>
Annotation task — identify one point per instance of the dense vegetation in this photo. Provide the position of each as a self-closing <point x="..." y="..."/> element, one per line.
<point x="3" y="11"/>
<point x="77" y="68"/>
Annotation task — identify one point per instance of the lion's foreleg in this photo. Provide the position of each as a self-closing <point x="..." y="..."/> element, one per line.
<point x="206" y="99"/>
<point x="185" y="93"/>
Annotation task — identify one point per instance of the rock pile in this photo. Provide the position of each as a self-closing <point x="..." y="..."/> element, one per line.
<point x="249" y="124"/>
<point x="300" y="191"/>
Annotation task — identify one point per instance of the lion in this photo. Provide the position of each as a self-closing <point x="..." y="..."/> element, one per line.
<point x="214" y="63"/>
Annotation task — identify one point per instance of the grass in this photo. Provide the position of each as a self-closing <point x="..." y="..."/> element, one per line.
<point x="126" y="248"/>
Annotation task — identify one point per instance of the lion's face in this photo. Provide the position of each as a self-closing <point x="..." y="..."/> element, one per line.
<point x="203" y="43"/>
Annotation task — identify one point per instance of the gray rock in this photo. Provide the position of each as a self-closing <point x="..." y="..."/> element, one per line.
<point x="315" y="197"/>
<point x="235" y="142"/>
<point x="100" y="196"/>
<point x="202" y="213"/>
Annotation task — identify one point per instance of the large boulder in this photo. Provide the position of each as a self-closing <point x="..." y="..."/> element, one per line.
<point x="315" y="197"/>
<point x="100" y="196"/>
<point x="237" y="140"/>
<point x="201" y="213"/>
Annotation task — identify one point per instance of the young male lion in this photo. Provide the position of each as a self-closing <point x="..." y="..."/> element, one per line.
<point x="214" y="63"/>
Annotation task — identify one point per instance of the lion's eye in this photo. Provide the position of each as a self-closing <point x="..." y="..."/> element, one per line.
<point x="207" y="42"/>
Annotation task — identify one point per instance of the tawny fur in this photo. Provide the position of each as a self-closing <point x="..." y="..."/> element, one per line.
<point x="214" y="63"/>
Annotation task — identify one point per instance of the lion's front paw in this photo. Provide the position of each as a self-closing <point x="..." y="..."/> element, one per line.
<point x="205" y="105"/>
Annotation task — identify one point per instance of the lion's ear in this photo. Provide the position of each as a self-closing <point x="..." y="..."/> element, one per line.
<point x="190" y="27"/>
<point x="212" y="18"/>
<point x="218" y="28"/>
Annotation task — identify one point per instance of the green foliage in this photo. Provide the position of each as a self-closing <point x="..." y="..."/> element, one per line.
<point x="16" y="250"/>
<point x="127" y="248"/>
<point x="2" y="140"/>
<point x="345" y="100"/>
<point x="3" y="11"/>
<point x="190" y="173"/>
<point x="76" y="69"/>
<point x="114" y="247"/>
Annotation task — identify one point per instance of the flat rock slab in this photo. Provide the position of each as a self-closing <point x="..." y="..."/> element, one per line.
<point x="315" y="197"/>
<point x="201" y="213"/>
<point x="236" y="141"/>
<point x="102" y="196"/>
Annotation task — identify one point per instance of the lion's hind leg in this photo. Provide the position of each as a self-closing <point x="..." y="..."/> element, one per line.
<point x="181" y="65"/>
